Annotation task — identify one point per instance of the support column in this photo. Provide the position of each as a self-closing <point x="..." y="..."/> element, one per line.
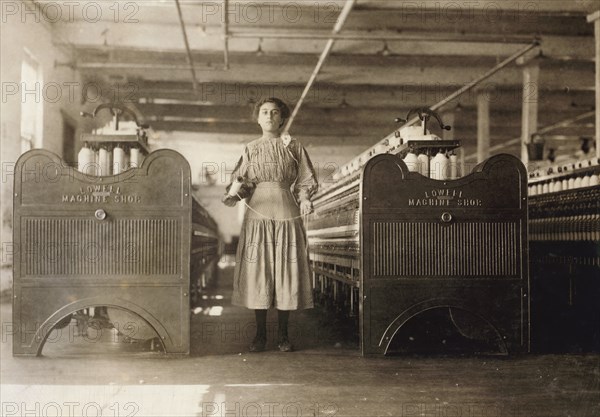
<point x="483" y="126"/>
<point x="449" y="119"/>
<point x="595" y="17"/>
<point x="529" y="119"/>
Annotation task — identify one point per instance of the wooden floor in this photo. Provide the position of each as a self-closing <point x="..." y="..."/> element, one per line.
<point x="326" y="376"/>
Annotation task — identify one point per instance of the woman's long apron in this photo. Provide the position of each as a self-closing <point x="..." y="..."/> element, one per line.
<point x="272" y="268"/>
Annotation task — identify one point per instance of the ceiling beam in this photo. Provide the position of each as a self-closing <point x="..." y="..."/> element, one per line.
<point x="350" y="74"/>
<point x="370" y="133"/>
<point x="354" y="96"/>
<point x="454" y="17"/>
<point x="383" y="116"/>
<point x="273" y="40"/>
<point x="207" y="58"/>
<point x="547" y="8"/>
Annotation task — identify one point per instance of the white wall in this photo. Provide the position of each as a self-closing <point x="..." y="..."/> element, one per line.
<point x="59" y="92"/>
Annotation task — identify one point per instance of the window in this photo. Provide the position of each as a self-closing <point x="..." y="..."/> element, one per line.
<point x="32" y="108"/>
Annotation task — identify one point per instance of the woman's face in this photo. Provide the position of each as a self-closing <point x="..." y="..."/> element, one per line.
<point x="269" y="117"/>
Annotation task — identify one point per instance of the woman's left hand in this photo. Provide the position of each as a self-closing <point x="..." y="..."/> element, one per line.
<point x="229" y="201"/>
<point x="306" y="207"/>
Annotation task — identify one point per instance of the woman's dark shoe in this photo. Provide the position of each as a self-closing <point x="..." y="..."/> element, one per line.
<point x="285" y="345"/>
<point x="258" y="344"/>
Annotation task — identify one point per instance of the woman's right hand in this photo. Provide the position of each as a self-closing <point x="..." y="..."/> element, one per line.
<point x="229" y="201"/>
<point x="306" y="207"/>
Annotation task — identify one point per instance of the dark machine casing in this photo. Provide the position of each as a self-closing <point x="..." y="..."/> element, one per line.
<point x="122" y="241"/>
<point x="458" y="244"/>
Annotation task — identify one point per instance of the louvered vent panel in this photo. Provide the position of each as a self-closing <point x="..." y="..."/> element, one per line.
<point x="430" y="249"/>
<point x="90" y="247"/>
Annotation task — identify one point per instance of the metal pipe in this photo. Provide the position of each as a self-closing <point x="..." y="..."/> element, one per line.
<point x="364" y="156"/>
<point x="488" y="74"/>
<point x="388" y="37"/>
<point x="476" y="81"/>
<point x="338" y="26"/>
<point x="544" y="130"/>
<point x="564" y="123"/>
<point x="140" y="66"/>
<point x="187" y="47"/>
<point x="494" y="148"/>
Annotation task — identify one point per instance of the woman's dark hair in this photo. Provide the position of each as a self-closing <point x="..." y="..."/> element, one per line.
<point x="283" y="108"/>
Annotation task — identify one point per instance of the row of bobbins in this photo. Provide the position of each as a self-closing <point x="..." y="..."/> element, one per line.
<point x="569" y="176"/>
<point x="558" y="184"/>
<point x="440" y="167"/>
<point x="108" y="159"/>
